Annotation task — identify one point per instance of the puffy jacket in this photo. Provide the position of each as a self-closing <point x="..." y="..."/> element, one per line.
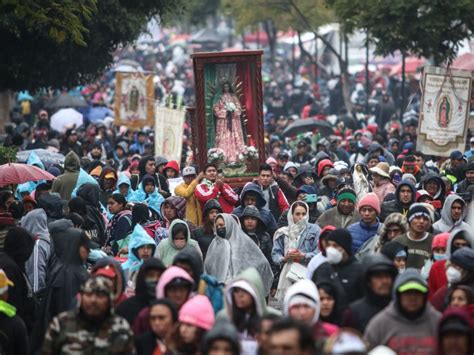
<point x="361" y="232"/>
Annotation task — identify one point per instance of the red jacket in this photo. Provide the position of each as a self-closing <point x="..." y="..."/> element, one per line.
<point x="226" y="196"/>
<point x="437" y="278"/>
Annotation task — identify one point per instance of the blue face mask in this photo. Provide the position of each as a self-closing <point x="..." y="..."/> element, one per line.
<point x="437" y="256"/>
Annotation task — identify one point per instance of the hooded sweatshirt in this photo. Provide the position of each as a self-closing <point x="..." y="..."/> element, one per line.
<point x="124" y="179"/>
<point x="138" y="238"/>
<point x="94" y="223"/>
<point x="403" y="335"/>
<point x="222" y="330"/>
<point x="167" y="250"/>
<point x="65" y="183"/>
<point x="446" y="223"/>
<point x="395" y="205"/>
<point x="307" y="289"/>
<point x="36" y="222"/>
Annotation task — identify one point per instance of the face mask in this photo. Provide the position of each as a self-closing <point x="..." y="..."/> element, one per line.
<point x="453" y="275"/>
<point x="151" y="288"/>
<point x="437" y="256"/>
<point x="221" y="232"/>
<point x="179" y="244"/>
<point x="333" y="255"/>
<point x="401" y="270"/>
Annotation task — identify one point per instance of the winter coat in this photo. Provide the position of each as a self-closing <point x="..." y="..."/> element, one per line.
<point x="65" y="183"/>
<point x="193" y="208"/>
<point x="333" y="217"/>
<point x="386" y="187"/>
<point x="395" y="205"/>
<point x="362" y="232"/>
<point x="360" y="312"/>
<point x="446" y="223"/>
<point x="167" y="250"/>
<point x="131" y="307"/>
<point x="267" y="216"/>
<point x="404" y="336"/>
<point x="36" y="222"/>
<point x="94" y="223"/>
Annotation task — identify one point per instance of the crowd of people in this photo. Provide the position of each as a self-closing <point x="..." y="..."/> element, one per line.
<point x="350" y="243"/>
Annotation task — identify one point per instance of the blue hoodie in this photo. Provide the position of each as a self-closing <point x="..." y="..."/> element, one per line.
<point x="124" y="179"/>
<point x="138" y="238"/>
<point x="267" y="217"/>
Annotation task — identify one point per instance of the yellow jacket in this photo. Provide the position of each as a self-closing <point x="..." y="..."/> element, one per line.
<point x="193" y="208"/>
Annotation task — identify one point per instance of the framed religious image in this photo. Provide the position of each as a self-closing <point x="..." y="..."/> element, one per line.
<point x="228" y="120"/>
<point x="134" y="100"/>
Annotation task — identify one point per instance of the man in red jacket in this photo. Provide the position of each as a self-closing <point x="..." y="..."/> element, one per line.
<point x="212" y="187"/>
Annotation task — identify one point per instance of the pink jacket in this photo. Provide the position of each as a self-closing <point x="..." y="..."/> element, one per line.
<point x="383" y="190"/>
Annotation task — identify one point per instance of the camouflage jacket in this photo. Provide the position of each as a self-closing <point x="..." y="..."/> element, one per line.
<point x="68" y="333"/>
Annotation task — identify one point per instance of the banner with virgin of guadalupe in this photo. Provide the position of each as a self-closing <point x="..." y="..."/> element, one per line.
<point x="169" y="126"/>
<point x="134" y="100"/>
<point x="444" y="113"/>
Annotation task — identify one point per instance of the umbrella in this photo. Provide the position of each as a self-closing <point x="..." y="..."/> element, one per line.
<point x="66" y="118"/>
<point x="66" y="100"/>
<point x="411" y="66"/>
<point x="24" y="96"/>
<point x="47" y="157"/>
<point x="99" y="113"/>
<point x="13" y="173"/>
<point x="309" y="125"/>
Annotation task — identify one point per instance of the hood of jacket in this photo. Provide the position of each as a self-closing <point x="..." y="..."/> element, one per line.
<point x="252" y="211"/>
<point x="306" y="288"/>
<point x="412" y="188"/>
<point x="223" y="329"/>
<point x="36" y="222"/>
<point x="138" y="238"/>
<point x="109" y="261"/>
<point x="66" y="247"/>
<point x="446" y="211"/>
<point x="191" y="257"/>
<point x="394" y="218"/>
<point x="252" y="187"/>
<point x="58" y="230"/>
<point x="171" y="237"/>
<point x="104" y="172"/>
<point x="52" y="205"/>
<point x="19" y="244"/>
<point x="72" y="163"/>
<point x="171" y="273"/>
<point x="140" y="288"/>
<point x="177" y="202"/>
<point x="211" y="205"/>
<point x="251" y="281"/>
<point x="460" y="316"/>
<point x="89" y="193"/>
<point x="123" y="179"/>
<point x="410" y="274"/>
<point x="467" y="236"/>
<point x="433" y="176"/>
<point x="375" y="263"/>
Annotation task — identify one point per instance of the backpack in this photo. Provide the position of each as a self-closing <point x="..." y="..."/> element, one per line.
<point x="212" y="289"/>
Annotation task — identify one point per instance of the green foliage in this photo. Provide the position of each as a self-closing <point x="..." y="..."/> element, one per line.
<point x="7" y="155"/>
<point x="433" y="29"/>
<point x="75" y="45"/>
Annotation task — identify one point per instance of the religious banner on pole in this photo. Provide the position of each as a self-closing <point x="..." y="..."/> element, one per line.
<point x="169" y="126"/>
<point x="444" y="112"/>
<point x="134" y="100"/>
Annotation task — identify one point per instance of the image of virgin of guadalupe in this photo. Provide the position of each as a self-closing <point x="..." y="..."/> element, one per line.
<point x="229" y="134"/>
<point x="444" y="112"/>
<point x="133" y="99"/>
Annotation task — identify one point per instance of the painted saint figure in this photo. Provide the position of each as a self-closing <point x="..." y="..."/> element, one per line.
<point x="229" y="134"/>
<point x="133" y="99"/>
<point x="444" y="111"/>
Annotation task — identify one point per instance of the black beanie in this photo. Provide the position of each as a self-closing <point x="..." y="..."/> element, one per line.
<point x="342" y="238"/>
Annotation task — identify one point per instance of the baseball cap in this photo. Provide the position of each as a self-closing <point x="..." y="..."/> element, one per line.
<point x="413" y="286"/>
<point x="189" y="170"/>
<point x="5" y="282"/>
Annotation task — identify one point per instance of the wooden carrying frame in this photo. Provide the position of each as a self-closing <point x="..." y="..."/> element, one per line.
<point x="250" y="66"/>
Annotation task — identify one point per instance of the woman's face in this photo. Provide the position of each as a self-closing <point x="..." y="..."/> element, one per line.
<point x="220" y="223"/>
<point x="226" y="88"/>
<point x="458" y="299"/>
<point x="299" y="213"/>
<point x="114" y="206"/>
<point x="242" y="299"/>
<point x="327" y="303"/>
<point x="149" y="187"/>
<point x="250" y="223"/>
<point x="179" y="240"/>
<point x="169" y="212"/>
<point x="161" y="320"/>
<point x="188" y="333"/>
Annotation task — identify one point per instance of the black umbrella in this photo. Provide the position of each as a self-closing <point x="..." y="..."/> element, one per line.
<point x="309" y="125"/>
<point x="66" y="101"/>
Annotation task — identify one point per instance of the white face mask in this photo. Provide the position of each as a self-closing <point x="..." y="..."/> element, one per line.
<point x="401" y="270"/>
<point x="333" y="255"/>
<point x="453" y="275"/>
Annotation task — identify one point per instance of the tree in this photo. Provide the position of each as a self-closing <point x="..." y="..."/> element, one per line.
<point x="66" y="43"/>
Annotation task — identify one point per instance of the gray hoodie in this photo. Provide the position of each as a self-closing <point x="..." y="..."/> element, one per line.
<point x="36" y="222"/>
<point x="404" y="336"/>
<point x="446" y="223"/>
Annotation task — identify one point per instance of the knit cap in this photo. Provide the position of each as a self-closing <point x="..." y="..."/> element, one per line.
<point x="417" y="210"/>
<point x="198" y="311"/>
<point x="343" y="238"/>
<point x="440" y="241"/>
<point x="370" y="200"/>
<point x="346" y="193"/>
<point x="464" y="257"/>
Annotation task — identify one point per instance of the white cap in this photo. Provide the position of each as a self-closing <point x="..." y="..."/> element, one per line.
<point x="189" y="170"/>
